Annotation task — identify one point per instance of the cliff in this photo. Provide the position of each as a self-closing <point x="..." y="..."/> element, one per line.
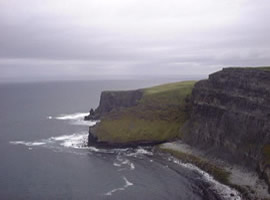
<point x="115" y="100"/>
<point x="140" y="117"/>
<point x="230" y="117"/>
<point x="226" y="116"/>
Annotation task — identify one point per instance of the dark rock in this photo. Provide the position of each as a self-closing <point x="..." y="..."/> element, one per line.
<point x="230" y="116"/>
<point x="92" y="139"/>
<point x="114" y="100"/>
<point x="91" y="112"/>
<point x="91" y="115"/>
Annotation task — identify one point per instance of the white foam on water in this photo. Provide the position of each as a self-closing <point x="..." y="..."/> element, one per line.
<point x="82" y="122"/>
<point x="76" y="140"/>
<point x="37" y="143"/>
<point x="94" y="149"/>
<point x="116" y="164"/>
<point x="127" y="184"/>
<point x="223" y="190"/>
<point x="62" y="137"/>
<point x="107" y="151"/>
<point x="27" y="143"/>
<point x="75" y="119"/>
<point x="132" y="166"/>
<point x="123" y="162"/>
<point x="73" y="116"/>
<point x="139" y="152"/>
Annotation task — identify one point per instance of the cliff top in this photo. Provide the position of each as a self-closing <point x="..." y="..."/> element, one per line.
<point x="156" y="116"/>
<point x="264" y="68"/>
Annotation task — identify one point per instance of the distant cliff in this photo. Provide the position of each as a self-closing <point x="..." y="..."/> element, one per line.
<point x="115" y="101"/>
<point x="230" y="117"/>
<point x="140" y="117"/>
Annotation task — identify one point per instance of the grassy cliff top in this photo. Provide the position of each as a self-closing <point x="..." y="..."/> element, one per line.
<point x="264" y="68"/>
<point x="158" y="116"/>
<point x="168" y="87"/>
<point x="167" y="94"/>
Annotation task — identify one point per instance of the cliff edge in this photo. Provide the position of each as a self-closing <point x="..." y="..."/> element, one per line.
<point x="230" y="117"/>
<point x="113" y="101"/>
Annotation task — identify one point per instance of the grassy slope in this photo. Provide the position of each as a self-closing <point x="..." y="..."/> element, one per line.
<point x="265" y="68"/>
<point x="158" y="116"/>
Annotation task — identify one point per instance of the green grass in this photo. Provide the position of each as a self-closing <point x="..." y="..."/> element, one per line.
<point x="218" y="173"/>
<point x="158" y="116"/>
<point x="265" y="68"/>
<point x="178" y="86"/>
<point x="135" y="130"/>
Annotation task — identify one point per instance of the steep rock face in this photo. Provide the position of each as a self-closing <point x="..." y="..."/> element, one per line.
<point x="230" y="116"/>
<point x="119" y="99"/>
<point x="115" y="100"/>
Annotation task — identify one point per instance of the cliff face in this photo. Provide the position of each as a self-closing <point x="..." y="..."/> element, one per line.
<point x="115" y="100"/>
<point x="230" y="116"/>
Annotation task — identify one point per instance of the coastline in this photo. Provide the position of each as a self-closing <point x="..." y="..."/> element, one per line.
<point x="236" y="177"/>
<point x="229" y="126"/>
<point x="247" y="182"/>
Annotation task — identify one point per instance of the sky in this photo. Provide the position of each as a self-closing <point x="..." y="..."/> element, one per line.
<point x="115" y="39"/>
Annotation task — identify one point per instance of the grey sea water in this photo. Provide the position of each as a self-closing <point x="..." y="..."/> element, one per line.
<point x="43" y="152"/>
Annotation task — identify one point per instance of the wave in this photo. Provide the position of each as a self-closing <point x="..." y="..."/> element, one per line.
<point x="73" y="116"/>
<point x="127" y="184"/>
<point x="77" y="143"/>
<point x="123" y="162"/>
<point x="76" y="140"/>
<point x="28" y="143"/>
<point x="222" y="190"/>
<point x="75" y="119"/>
<point x="72" y="141"/>
<point x="140" y="152"/>
<point x="124" y="157"/>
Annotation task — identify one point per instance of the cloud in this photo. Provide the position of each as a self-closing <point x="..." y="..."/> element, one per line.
<point x="98" y="39"/>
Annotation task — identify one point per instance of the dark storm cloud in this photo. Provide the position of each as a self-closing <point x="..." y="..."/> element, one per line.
<point x="101" y="39"/>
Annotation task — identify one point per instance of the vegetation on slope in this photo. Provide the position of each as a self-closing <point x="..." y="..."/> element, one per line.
<point x="265" y="68"/>
<point x="158" y="116"/>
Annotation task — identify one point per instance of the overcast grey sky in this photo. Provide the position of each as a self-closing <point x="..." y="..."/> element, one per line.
<point x="101" y="39"/>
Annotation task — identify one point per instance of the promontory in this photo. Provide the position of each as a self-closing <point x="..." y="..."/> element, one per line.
<point x="226" y="116"/>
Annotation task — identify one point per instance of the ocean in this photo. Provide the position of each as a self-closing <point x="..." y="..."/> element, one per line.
<point x="43" y="151"/>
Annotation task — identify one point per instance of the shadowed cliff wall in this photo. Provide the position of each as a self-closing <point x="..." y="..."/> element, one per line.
<point x="230" y="116"/>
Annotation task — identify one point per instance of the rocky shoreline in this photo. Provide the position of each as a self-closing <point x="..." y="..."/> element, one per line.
<point x="243" y="179"/>
<point x="223" y="123"/>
